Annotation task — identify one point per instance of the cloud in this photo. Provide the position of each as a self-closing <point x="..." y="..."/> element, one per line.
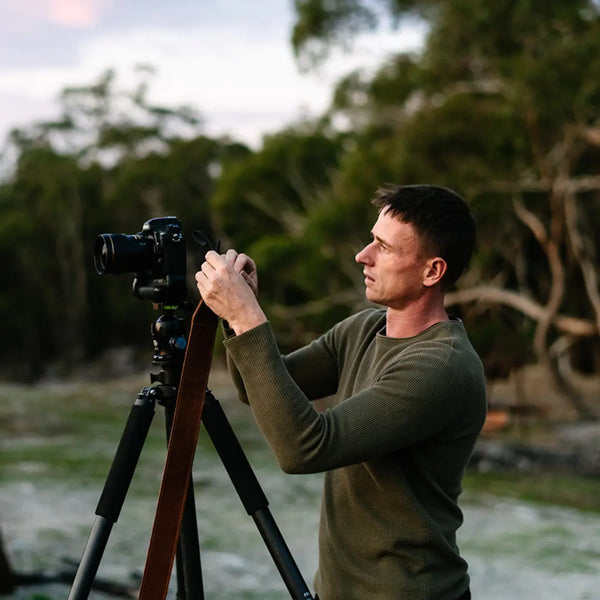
<point x="76" y="13"/>
<point x="29" y="14"/>
<point x="231" y="60"/>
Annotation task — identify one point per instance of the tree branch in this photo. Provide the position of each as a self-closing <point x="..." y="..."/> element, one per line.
<point x="531" y="221"/>
<point x="347" y="296"/>
<point x="578" y="246"/>
<point x="527" y="306"/>
<point x="575" y="185"/>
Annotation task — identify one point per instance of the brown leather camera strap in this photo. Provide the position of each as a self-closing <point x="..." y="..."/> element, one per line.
<point x="180" y="455"/>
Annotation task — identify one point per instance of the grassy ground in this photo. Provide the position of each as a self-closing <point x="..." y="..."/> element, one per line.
<point x="58" y="441"/>
<point x="543" y="488"/>
<point x="70" y="431"/>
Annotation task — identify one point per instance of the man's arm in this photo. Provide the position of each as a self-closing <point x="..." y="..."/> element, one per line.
<point x="314" y="368"/>
<point x="224" y="283"/>
<point x="403" y="407"/>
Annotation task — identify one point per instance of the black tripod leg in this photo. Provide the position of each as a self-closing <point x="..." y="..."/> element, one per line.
<point x="189" y="570"/>
<point x="114" y="492"/>
<point x="251" y="495"/>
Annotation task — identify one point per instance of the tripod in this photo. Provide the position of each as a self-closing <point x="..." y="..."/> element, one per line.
<point x="168" y="334"/>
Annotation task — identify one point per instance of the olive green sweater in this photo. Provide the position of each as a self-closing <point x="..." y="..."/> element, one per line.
<point x="394" y="447"/>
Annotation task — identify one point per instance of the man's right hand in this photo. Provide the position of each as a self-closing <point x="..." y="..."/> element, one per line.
<point x="228" y="283"/>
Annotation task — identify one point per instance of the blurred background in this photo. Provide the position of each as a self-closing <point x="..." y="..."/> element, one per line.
<point x="269" y="127"/>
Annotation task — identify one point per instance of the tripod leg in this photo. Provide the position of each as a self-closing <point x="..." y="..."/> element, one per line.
<point x="114" y="492"/>
<point x="189" y="572"/>
<point x="252" y="495"/>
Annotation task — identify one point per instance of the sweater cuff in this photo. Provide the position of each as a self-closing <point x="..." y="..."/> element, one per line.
<point x="252" y="348"/>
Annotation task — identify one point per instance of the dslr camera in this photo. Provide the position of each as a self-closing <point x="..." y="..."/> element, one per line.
<point x="156" y="255"/>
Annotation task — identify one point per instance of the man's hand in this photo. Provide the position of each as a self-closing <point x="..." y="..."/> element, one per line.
<point x="228" y="283"/>
<point x="246" y="267"/>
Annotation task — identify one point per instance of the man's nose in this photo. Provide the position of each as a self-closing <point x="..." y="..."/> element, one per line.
<point x="362" y="256"/>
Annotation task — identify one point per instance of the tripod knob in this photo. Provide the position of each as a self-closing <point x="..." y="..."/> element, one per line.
<point x="178" y="343"/>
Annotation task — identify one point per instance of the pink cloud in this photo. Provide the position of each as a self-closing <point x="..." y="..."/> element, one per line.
<point x="68" y="13"/>
<point x="76" y="13"/>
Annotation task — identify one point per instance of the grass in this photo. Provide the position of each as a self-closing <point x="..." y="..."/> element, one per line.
<point x="70" y="431"/>
<point x="543" y="488"/>
<point x="58" y="442"/>
<point x="65" y="431"/>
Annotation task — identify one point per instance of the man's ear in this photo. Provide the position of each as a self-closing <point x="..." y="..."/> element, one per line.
<point x="434" y="271"/>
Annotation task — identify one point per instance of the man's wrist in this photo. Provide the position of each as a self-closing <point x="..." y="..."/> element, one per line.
<point x="247" y="322"/>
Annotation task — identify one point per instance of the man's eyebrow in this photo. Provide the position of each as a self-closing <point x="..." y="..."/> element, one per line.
<point x="381" y="240"/>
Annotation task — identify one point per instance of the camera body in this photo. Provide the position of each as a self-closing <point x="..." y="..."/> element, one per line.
<point x="156" y="255"/>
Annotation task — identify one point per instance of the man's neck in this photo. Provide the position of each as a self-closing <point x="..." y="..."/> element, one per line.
<point x="411" y="320"/>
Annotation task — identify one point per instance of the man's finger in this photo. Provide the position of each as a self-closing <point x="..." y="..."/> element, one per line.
<point x="244" y="263"/>
<point x="212" y="257"/>
<point x="231" y="257"/>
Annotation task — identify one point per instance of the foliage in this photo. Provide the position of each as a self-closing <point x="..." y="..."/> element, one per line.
<point x="274" y="206"/>
<point x="502" y="104"/>
<point x="100" y="169"/>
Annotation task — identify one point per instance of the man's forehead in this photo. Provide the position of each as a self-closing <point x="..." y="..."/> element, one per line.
<point x="386" y="222"/>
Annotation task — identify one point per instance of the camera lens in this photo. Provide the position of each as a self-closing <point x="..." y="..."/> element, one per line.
<point x="118" y="253"/>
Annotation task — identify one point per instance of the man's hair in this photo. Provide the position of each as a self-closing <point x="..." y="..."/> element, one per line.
<point x="441" y="218"/>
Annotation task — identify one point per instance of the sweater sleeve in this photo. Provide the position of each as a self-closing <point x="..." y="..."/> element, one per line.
<point x="314" y="383"/>
<point x="404" y="406"/>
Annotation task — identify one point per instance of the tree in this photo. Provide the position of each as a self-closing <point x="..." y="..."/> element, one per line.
<point x="42" y="231"/>
<point x="274" y="206"/>
<point x="104" y="122"/>
<point x="101" y="168"/>
<point x="503" y="105"/>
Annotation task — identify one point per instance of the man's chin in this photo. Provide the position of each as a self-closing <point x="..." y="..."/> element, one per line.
<point x="371" y="297"/>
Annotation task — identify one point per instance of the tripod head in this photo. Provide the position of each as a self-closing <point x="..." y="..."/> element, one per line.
<point x="169" y="341"/>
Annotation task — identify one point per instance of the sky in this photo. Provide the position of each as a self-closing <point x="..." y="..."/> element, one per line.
<point x="230" y="59"/>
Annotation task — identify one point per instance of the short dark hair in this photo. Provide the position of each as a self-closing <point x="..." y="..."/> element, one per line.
<point x="440" y="216"/>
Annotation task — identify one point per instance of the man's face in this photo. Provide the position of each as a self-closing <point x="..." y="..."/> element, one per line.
<point x="395" y="265"/>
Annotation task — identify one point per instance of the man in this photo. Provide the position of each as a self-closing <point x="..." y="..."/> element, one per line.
<point x="409" y="401"/>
